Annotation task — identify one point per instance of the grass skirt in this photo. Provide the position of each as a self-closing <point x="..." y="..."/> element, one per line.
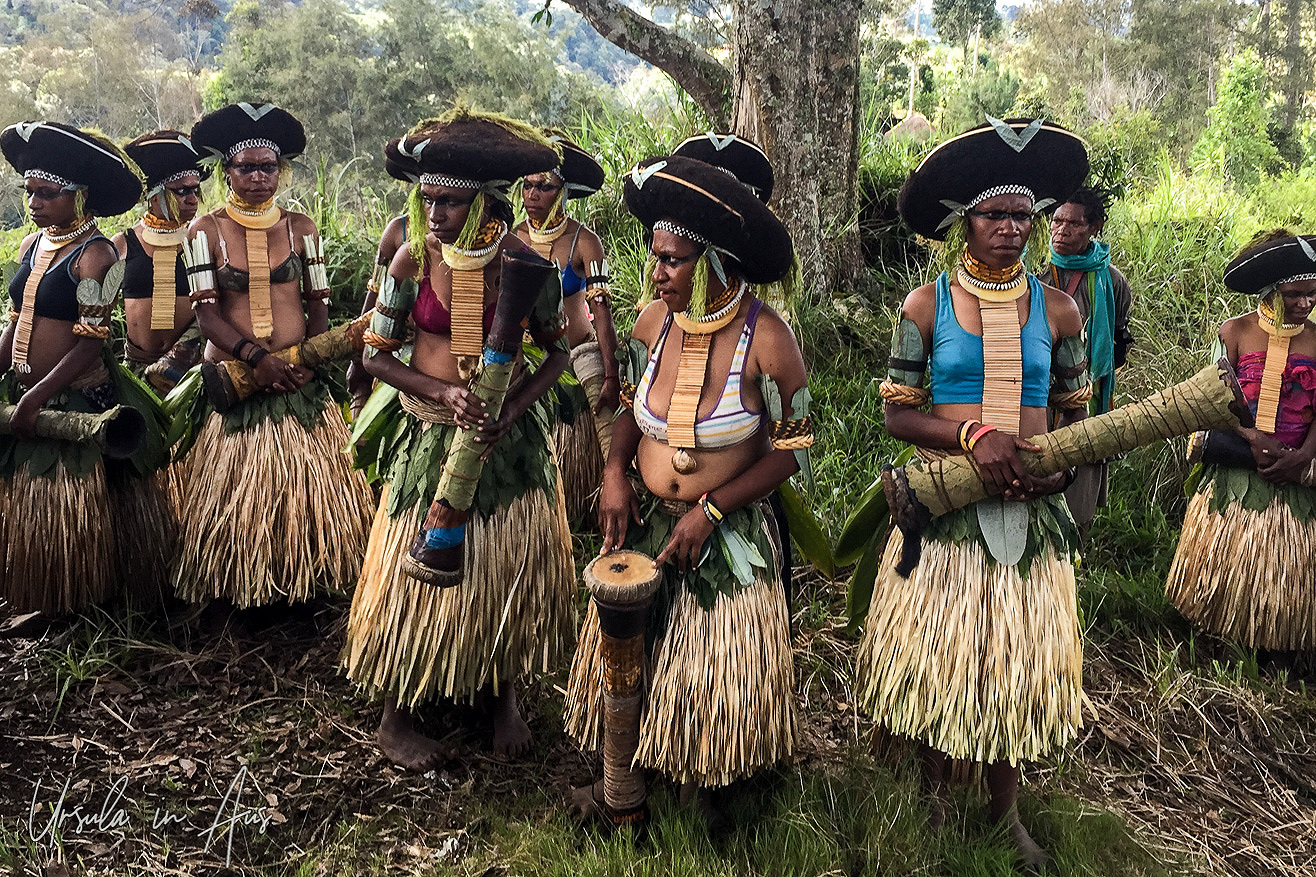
<point x="972" y="658"/>
<point x="58" y="551"/>
<point x="271" y="512"/>
<point x="1246" y="575"/>
<point x="719" y="683"/>
<point x="144" y="521"/>
<point x="581" y="462"/>
<point x="513" y="613"/>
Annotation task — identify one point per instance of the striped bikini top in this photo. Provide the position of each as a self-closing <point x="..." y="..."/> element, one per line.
<point x="730" y="422"/>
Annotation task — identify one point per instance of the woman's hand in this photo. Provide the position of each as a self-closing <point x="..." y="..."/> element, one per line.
<point x="1286" y="467"/>
<point x="467" y="407"/>
<point x="997" y="456"/>
<point x="1041" y="487"/>
<point x="686" y="547"/>
<point x="490" y="431"/>
<point x="275" y="375"/>
<point x="618" y="507"/>
<point x="24" y="422"/>
<point x="1265" y="449"/>
<point x="609" y="395"/>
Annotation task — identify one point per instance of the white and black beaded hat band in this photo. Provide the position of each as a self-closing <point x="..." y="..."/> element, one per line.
<point x="252" y="143"/>
<point x="450" y="182"/>
<point x="66" y="185"/>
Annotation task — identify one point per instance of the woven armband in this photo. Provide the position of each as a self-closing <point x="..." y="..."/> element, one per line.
<point x="1070" y="400"/>
<point x="902" y="394"/>
<point x="13" y="315"/>
<point x="627" y="393"/>
<point x="200" y="270"/>
<point x="316" y="276"/>
<point x="792" y="435"/>
<point x="1069" y="366"/>
<point x="388" y="325"/>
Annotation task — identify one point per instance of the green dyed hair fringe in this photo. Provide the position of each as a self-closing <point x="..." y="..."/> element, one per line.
<point x="417" y="226"/>
<point x="80" y="202"/>
<point x="474" y="220"/>
<point x="648" y="289"/>
<point x="699" y="289"/>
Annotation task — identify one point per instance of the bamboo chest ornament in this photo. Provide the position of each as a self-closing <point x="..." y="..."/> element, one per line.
<point x="622" y="585"/>
<point x="920" y="491"/>
<point x="1277" y="359"/>
<point x="437" y="555"/>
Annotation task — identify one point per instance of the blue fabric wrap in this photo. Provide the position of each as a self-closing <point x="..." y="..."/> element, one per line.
<point x="445" y="537"/>
<point x="1101" y="316"/>
<point x="493" y="357"/>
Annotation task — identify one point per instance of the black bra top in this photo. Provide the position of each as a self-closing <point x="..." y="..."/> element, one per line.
<point x="139" y="271"/>
<point x="237" y="280"/>
<point x="57" y="294"/>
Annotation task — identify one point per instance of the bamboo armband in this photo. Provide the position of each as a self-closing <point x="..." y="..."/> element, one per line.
<point x="597" y="290"/>
<point x="316" y="275"/>
<point x="1069" y="366"/>
<point x="908" y="359"/>
<point x="200" y="270"/>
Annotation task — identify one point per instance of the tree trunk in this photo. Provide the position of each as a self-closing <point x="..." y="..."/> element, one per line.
<point x="1296" y="61"/>
<point x="797" y="95"/>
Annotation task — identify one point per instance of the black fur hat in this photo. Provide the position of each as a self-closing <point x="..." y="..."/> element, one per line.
<point x="582" y="174"/>
<point x="164" y="155"/>
<point x="736" y="155"/>
<point x="1044" y="158"/>
<point x="471" y="149"/>
<point x="84" y="158"/>
<point x="712" y="204"/>
<point x="229" y="130"/>
<point x="1257" y="269"/>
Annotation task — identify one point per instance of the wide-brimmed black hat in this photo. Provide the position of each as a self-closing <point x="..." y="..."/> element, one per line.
<point x="995" y="158"/>
<point x="165" y="155"/>
<point x="1258" y="268"/>
<point x="467" y="148"/>
<point x="84" y="158"/>
<point x="733" y="154"/>
<point x="580" y="171"/>
<point x="229" y="130"/>
<point x="713" y="205"/>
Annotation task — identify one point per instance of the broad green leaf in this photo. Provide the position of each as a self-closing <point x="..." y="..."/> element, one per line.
<point x="806" y="530"/>
<point x="860" y="593"/>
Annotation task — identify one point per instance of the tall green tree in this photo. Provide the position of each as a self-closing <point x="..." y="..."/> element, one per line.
<point x="1235" y="143"/>
<point x="960" y="22"/>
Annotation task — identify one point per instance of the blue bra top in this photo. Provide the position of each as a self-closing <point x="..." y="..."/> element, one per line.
<point x="956" y="362"/>
<point x="572" y="282"/>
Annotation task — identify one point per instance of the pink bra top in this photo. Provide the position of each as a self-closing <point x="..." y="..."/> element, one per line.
<point x="431" y="316"/>
<point x="1296" y="395"/>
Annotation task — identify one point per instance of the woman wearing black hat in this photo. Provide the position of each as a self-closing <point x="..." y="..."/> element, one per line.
<point x="583" y="442"/>
<point x="54" y="506"/>
<point x="163" y="338"/>
<point x="410" y="641"/>
<point x="708" y="448"/>
<point x="272" y="510"/>
<point x="977" y="654"/>
<point x="1243" y="568"/>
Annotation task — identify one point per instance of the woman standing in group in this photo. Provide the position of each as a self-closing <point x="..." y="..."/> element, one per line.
<point x="1244" y="569"/>
<point x="163" y="338"/>
<point x="707" y="452"/>
<point x="411" y="641"/>
<point x="55" y="536"/>
<point x="272" y="510"/>
<point x="977" y="654"/>
<point x="588" y="304"/>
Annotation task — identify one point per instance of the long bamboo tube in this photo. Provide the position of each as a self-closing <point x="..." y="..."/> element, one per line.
<point x="230" y="381"/>
<point x="920" y="491"/>
<point x="622" y="585"/>
<point x="118" y="432"/>
<point x="436" y="555"/>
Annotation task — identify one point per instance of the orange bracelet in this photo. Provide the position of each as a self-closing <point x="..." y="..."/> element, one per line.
<point x="982" y="431"/>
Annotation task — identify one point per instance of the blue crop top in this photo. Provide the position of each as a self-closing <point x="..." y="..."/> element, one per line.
<point x="956" y="361"/>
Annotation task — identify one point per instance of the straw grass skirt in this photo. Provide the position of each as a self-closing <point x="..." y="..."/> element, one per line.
<point x="512" y="615"/>
<point x="144" y="522"/>
<point x="719" y="682"/>
<point x="271" y="512"/>
<point x="970" y="657"/>
<point x="1247" y="576"/>
<point x="581" y="462"/>
<point x="58" y="550"/>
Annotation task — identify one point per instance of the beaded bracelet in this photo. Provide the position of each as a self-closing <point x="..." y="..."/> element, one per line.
<point x="982" y="431"/>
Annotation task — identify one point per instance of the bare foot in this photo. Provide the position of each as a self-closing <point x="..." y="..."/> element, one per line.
<point x="403" y="745"/>
<point x="1036" y="861"/>
<point x="511" y="733"/>
<point x="700" y="800"/>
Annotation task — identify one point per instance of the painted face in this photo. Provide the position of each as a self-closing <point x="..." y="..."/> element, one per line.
<point x="538" y="191"/>
<point x="674" y="268"/>
<point x="253" y="174"/>
<point x="1299" y="297"/>
<point x="49" y="205"/>
<point x="998" y="229"/>
<point x="187" y="192"/>
<point x="446" y="209"/>
<point x="1071" y="233"/>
